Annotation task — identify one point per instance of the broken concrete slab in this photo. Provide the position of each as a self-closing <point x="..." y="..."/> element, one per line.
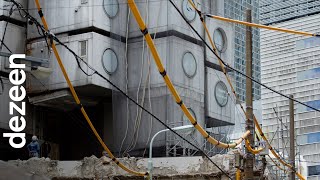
<point x="9" y="171"/>
<point x="164" y="168"/>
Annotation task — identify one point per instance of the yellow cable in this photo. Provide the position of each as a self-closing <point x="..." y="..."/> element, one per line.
<point x="253" y="151"/>
<point x="76" y="98"/>
<point x="169" y="84"/>
<point x="238" y="174"/>
<point x="261" y="26"/>
<point x="233" y="91"/>
<point x="272" y="150"/>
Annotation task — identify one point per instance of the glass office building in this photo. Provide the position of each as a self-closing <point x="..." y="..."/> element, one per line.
<point x="236" y="9"/>
<point x="290" y="64"/>
<point x="277" y="11"/>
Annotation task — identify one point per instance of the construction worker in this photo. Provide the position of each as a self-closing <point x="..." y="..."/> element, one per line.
<point x="33" y="147"/>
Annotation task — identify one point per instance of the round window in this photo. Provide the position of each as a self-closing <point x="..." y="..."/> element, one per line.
<point x="110" y="61"/>
<point x="111" y="7"/>
<point x="188" y="10"/>
<point x="186" y="119"/>
<point x="189" y="64"/>
<point x="219" y="39"/>
<point x="221" y="94"/>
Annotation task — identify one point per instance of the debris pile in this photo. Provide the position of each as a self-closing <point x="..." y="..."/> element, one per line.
<point x="103" y="168"/>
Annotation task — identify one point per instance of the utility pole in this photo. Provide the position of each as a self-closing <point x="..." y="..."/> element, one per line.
<point x="205" y="82"/>
<point x="249" y="157"/>
<point x="292" y="148"/>
<point x="278" y="133"/>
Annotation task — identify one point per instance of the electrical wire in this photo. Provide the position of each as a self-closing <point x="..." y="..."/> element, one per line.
<point x="262" y="26"/>
<point x="139" y="111"/>
<point x="126" y="90"/>
<point x="3" y="44"/>
<point x="73" y="92"/>
<point x="284" y="145"/>
<point x="215" y="71"/>
<point x="278" y="165"/>
<point x="82" y="5"/>
<point x="165" y="125"/>
<point x="233" y="69"/>
<point x="154" y="117"/>
<point x="6" y="26"/>
<point x="122" y="92"/>
<point x="149" y="87"/>
<point x="222" y="63"/>
<point x="171" y="87"/>
<point x="150" y="104"/>
<point x="146" y="83"/>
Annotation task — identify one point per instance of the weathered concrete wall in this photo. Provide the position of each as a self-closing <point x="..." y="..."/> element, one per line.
<point x="164" y="168"/>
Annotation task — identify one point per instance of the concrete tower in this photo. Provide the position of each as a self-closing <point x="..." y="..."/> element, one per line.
<point x="105" y="34"/>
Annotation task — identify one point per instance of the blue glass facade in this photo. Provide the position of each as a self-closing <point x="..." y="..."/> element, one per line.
<point x="313" y="170"/>
<point x="236" y="9"/>
<point x="309" y="74"/>
<point x="313" y="137"/>
<point x="308" y="43"/>
<point x="315" y="104"/>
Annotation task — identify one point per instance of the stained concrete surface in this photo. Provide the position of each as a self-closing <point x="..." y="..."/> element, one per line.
<point x="12" y="172"/>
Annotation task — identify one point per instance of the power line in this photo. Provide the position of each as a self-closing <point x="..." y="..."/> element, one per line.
<point x="52" y="37"/>
<point x="233" y="69"/>
<point x="171" y="87"/>
<point x="136" y="103"/>
<point x="83" y="5"/>
<point x="223" y="63"/>
<point x="5" y="30"/>
<point x="3" y="44"/>
<point x="6" y="26"/>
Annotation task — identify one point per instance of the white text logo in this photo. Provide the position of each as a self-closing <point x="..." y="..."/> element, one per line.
<point x="17" y="93"/>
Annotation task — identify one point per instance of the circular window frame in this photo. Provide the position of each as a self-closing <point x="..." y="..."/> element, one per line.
<point x="215" y="93"/>
<point x="187" y="119"/>
<point x="195" y="13"/>
<point x="103" y="65"/>
<point x="184" y="70"/>
<point x="106" y="12"/>
<point x="224" y="37"/>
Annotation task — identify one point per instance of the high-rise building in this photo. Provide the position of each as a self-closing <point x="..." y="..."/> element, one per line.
<point x="290" y="65"/>
<point x="276" y="11"/>
<point x="235" y="9"/>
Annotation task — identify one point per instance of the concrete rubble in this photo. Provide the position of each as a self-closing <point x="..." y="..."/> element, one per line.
<point x="103" y="168"/>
